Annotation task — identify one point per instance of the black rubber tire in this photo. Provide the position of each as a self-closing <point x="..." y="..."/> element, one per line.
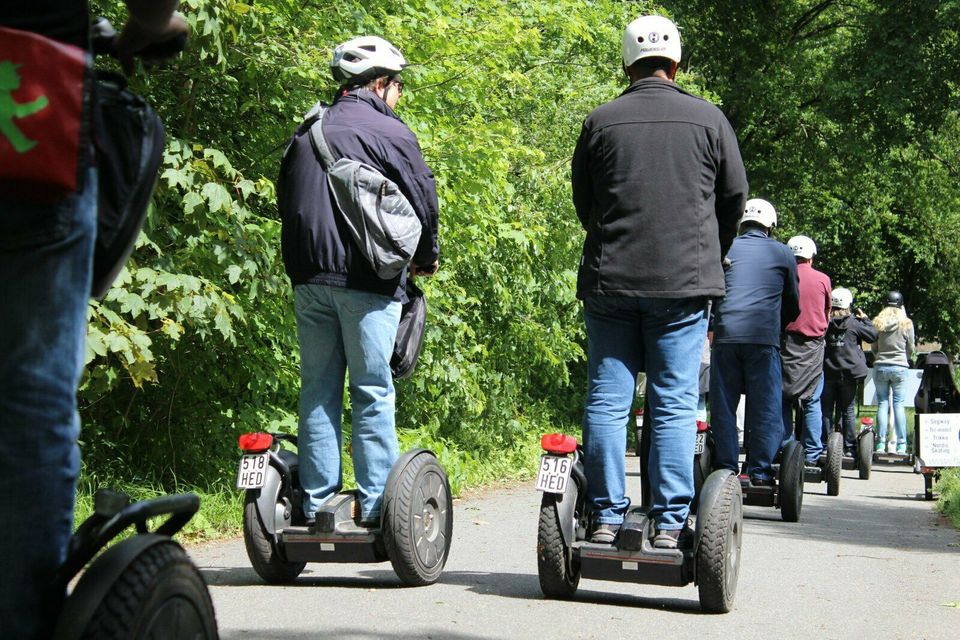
<point x="791" y="482"/>
<point x="718" y="556"/>
<point x="559" y="577"/>
<point x="266" y="559"/>
<point x="418" y="521"/>
<point x="834" y="465"/>
<point x="159" y="596"/>
<point x="865" y="444"/>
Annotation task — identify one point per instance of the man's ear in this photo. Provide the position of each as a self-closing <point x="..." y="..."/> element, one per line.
<point x="673" y="69"/>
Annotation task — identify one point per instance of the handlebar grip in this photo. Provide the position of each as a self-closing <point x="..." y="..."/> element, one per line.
<point x="103" y="38"/>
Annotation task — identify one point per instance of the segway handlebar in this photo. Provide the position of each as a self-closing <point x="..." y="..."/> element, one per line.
<point x="100" y="528"/>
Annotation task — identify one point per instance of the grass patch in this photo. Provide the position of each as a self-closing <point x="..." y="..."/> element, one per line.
<point x="949" y="501"/>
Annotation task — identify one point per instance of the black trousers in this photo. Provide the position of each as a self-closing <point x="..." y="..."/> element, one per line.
<point x="838" y="402"/>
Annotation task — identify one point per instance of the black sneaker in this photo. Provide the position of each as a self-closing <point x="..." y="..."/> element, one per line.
<point x="762" y="482"/>
<point x="666" y="539"/>
<point x="605" y="533"/>
<point x="815" y="463"/>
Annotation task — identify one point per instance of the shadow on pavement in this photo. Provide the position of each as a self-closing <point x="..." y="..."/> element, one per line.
<point x="348" y="633"/>
<point x="247" y="577"/>
<point x="526" y="586"/>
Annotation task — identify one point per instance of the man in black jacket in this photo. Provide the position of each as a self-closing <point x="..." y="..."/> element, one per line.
<point x="658" y="185"/>
<point x="844" y="365"/>
<point x="346" y="315"/>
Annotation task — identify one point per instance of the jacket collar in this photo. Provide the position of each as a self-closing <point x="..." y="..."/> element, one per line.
<point x="653" y="83"/>
<point x="369" y="97"/>
<point x="753" y="233"/>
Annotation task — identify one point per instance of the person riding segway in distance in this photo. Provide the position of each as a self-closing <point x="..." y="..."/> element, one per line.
<point x="802" y="353"/>
<point x="761" y="298"/>
<point x="844" y="366"/>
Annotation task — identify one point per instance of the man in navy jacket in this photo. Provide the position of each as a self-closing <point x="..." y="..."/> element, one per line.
<point x="346" y="315"/>
<point x="762" y="297"/>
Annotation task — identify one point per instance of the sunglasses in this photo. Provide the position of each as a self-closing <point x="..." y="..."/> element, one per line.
<point x="398" y="84"/>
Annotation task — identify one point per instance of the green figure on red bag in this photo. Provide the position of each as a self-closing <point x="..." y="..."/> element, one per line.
<point x="10" y="82"/>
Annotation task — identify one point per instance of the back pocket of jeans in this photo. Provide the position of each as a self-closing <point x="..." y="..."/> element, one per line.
<point x="23" y="226"/>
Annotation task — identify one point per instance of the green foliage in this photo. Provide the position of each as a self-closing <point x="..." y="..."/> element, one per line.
<point x="949" y="489"/>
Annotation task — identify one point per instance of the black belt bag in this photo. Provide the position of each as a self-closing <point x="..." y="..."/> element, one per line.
<point x="129" y="141"/>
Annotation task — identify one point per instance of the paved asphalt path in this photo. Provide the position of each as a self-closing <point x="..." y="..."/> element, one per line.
<point x="874" y="562"/>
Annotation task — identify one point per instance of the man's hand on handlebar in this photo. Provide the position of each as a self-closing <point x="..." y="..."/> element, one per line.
<point x="424" y="271"/>
<point x="148" y="27"/>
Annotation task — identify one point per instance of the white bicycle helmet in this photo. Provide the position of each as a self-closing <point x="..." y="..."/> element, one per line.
<point x="802" y="247"/>
<point x="368" y="56"/>
<point x="841" y="298"/>
<point x="760" y="211"/>
<point x="651" y="36"/>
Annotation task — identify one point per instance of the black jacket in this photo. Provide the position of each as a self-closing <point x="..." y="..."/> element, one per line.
<point x="843" y="357"/>
<point x="317" y="246"/>
<point x="659" y="186"/>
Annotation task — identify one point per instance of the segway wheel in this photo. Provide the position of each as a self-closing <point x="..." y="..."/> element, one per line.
<point x="160" y="595"/>
<point x="834" y="464"/>
<point x="266" y="559"/>
<point x="791" y="482"/>
<point x="559" y="578"/>
<point x="418" y="520"/>
<point x="718" y="556"/>
<point x="865" y="446"/>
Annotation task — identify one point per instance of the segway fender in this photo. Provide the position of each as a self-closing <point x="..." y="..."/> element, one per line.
<point x="709" y="494"/>
<point x="97" y="581"/>
<point x="566" y="506"/>
<point x="267" y="500"/>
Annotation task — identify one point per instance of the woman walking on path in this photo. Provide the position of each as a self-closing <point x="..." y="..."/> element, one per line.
<point x="894" y="352"/>
<point x="844" y="365"/>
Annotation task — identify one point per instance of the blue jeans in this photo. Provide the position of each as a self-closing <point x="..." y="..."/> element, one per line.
<point x="340" y="330"/>
<point x="665" y="338"/>
<point x="887" y="377"/>
<point x="812" y="428"/>
<point x="754" y="371"/>
<point x="45" y="271"/>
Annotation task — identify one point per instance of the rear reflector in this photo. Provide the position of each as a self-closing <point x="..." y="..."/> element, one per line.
<point x="255" y="441"/>
<point x="866" y="421"/>
<point x="558" y="443"/>
<point x="702" y="426"/>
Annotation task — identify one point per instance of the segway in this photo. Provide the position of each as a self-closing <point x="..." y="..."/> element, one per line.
<point x="414" y="531"/>
<point x="708" y="552"/>
<point x="144" y="586"/>
<point x="829" y="464"/>
<point x="786" y="492"/>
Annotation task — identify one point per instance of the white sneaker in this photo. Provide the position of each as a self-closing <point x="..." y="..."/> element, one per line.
<point x="892" y="446"/>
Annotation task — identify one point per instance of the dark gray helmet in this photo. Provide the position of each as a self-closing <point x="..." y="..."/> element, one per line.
<point x="894" y="299"/>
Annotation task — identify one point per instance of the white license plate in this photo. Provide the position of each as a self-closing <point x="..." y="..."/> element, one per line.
<point x="701" y="440"/>
<point x="554" y="473"/>
<point x="253" y="470"/>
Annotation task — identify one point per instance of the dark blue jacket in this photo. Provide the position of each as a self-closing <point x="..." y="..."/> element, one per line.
<point x="763" y="292"/>
<point x="317" y="246"/>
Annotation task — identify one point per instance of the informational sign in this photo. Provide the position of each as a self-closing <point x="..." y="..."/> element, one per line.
<point x="940" y="439"/>
<point x="913" y="384"/>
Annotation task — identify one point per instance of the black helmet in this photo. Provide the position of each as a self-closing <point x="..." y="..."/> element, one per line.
<point x="894" y="299"/>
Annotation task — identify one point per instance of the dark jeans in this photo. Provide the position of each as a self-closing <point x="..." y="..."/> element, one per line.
<point x="752" y="370"/>
<point x="839" y="399"/>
